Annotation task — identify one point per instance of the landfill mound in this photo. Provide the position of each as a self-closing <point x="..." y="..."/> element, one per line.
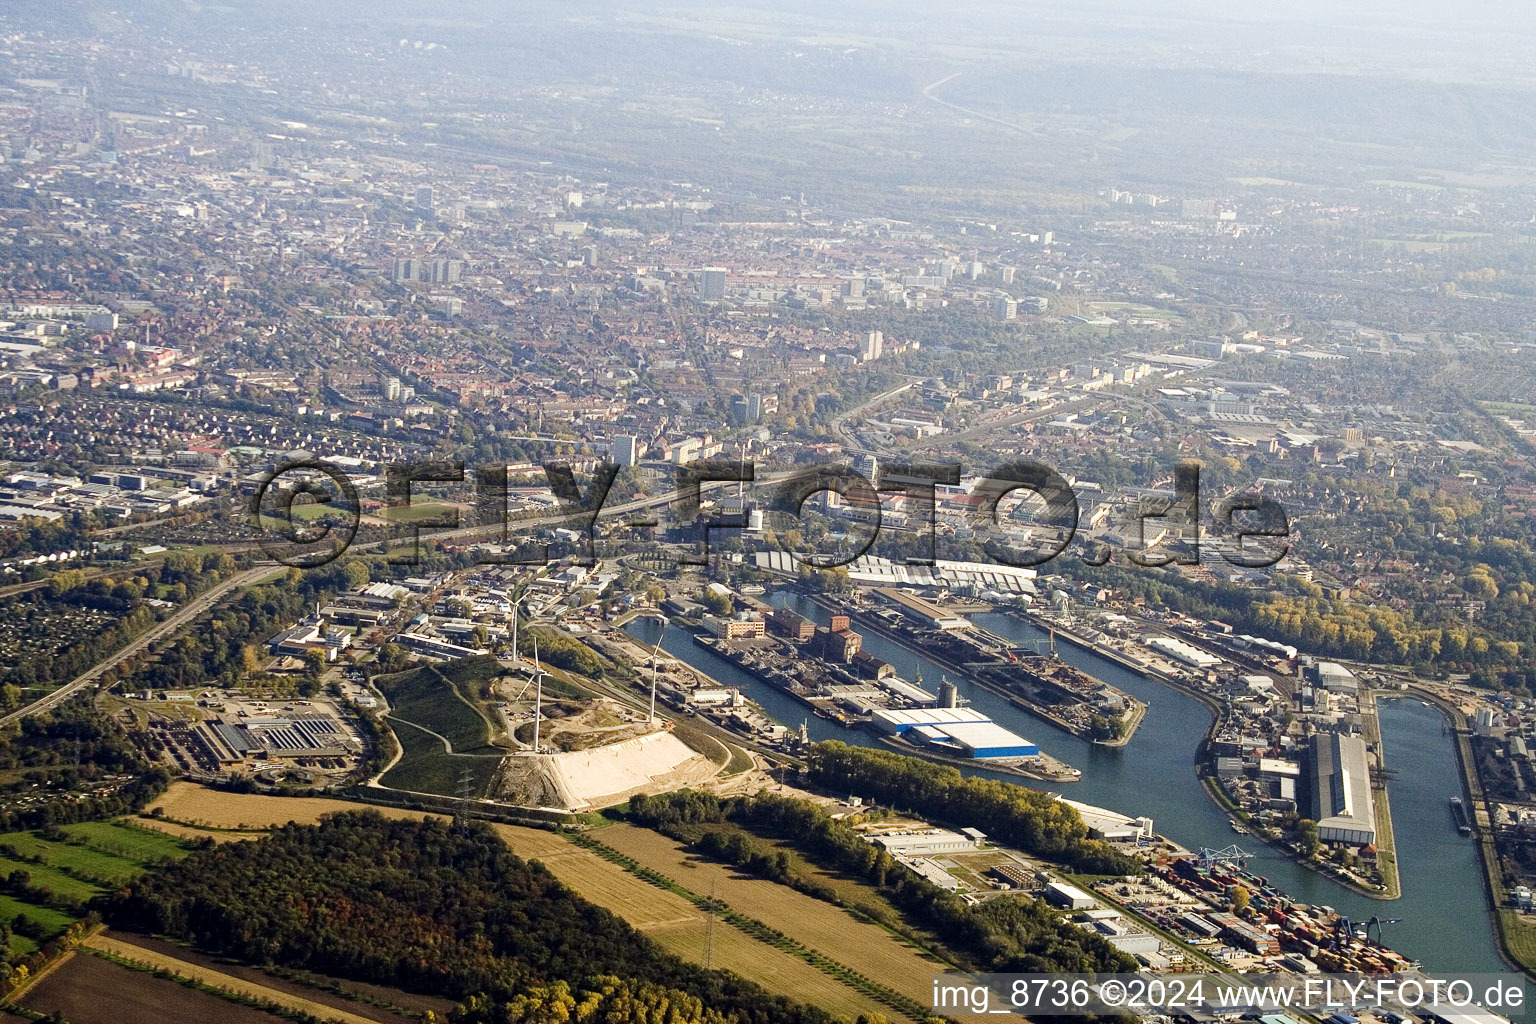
<point x="610" y="774"/>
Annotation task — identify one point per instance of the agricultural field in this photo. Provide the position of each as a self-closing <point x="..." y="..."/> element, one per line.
<point x="64" y="886"/>
<point x="123" y="946"/>
<point x="86" y="989"/>
<point x="679" y="926"/>
<point x="382" y="1003"/>
<point x="193" y="832"/>
<point x="867" y="948"/>
<point x="52" y="921"/>
<point x="775" y="970"/>
<point x="188" y="803"/>
<point x="125" y="839"/>
<point x="606" y="884"/>
<point x="851" y="890"/>
<point x="73" y="864"/>
<point x="82" y="862"/>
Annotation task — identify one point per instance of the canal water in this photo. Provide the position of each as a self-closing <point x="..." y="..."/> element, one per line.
<point x="1445" y="922"/>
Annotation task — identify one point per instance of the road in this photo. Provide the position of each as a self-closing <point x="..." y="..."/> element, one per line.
<point x="189" y="612"/>
<point x="968" y="112"/>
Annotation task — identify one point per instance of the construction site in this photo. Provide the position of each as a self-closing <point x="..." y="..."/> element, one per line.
<point x="578" y="753"/>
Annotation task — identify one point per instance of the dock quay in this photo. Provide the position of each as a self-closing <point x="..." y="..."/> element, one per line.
<point x="1033" y="681"/>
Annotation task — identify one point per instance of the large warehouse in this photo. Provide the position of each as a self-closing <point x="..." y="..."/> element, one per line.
<point x="1341" y="790"/>
<point x="894" y="722"/>
<point x="961" y="732"/>
<point x="988" y="739"/>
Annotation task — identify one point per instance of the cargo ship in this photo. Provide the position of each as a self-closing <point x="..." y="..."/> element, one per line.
<point x="1460" y="817"/>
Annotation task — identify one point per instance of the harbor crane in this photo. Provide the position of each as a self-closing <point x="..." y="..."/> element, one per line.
<point x="1038" y="646"/>
<point x="1343" y="929"/>
<point x="1233" y="854"/>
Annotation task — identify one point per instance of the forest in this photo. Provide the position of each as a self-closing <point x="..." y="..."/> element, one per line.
<point x="438" y="909"/>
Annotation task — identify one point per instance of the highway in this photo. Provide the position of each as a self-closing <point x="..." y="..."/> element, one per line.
<point x="189" y="612"/>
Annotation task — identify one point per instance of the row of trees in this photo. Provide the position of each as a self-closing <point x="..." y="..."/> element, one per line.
<point x="1031" y="820"/>
<point x="1338" y="628"/>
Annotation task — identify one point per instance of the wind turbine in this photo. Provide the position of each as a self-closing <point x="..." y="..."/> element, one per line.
<point x="655" y="663"/>
<point x="538" y="699"/>
<point x="516" y="659"/>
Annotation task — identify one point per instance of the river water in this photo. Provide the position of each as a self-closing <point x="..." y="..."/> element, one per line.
<point x="1445" y="922"/>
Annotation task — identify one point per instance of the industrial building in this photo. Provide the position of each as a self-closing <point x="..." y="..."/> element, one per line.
<point x="1342" y="802"/>
<point x="979" y="740"/>
<point x="927" y="842"/>
<point x="1067" y="897"/>
<point x="924" y="612"/>
<point x="896" y="721"/>
<point x="306" y="735"/>
<point x="961" y="732"/>
<point x="1181" y="651"/>
<point x="791" y="624"/>
<point x="1335" y="678"/>
<point x="735" y="629"/>
<point x="1111" y="825"/>
<point x="434" y="647"/>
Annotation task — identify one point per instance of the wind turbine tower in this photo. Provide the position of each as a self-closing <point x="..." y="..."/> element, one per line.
<point x="538" y="696"/>
<point x="655" y="664"/>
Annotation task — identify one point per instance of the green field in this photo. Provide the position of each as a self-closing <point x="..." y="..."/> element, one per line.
<point x="425" y="767"/>
<point x="97" y="855"/>
<point x="64" y="886"/>
<point x="97" y="852"/>
<point x="416" y="513"/>
<point x="124" y="839"/>
<point x="424" y="696"/>
<point x="54" y="921"/>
